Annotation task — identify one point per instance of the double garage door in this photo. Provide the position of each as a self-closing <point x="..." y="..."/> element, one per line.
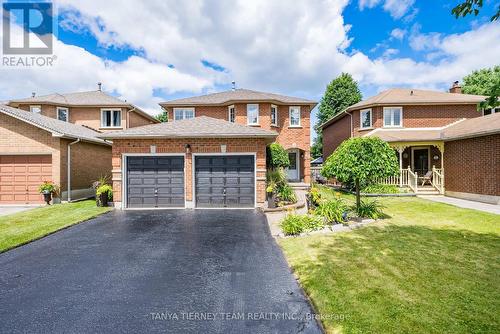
<point x="20" y="177"/>
<point x="219" y="181"/>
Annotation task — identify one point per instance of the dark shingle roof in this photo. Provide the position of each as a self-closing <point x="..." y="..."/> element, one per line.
<point x="237" y="95"/>
<point x="55" y="126"/>
<point x="203" y="126"/>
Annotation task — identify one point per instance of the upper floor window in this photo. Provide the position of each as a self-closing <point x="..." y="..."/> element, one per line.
<point x="36" y="109"/>
<point x="393" y="116"/>
<point x="63" y="114"/>
<point x="252" y="114"/>
<point x="183" y="113"/>
<point x="274" y="115"/>
<point x="294" y="116"/>
<point x="111" y="118"/>
<point x="231" y="114"/>
<point x="365" y="118"/>
<point x="490" y="111"/>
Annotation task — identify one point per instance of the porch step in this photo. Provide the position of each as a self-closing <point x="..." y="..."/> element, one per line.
<point x="299" y="185"/>
<point x="428" y="193"/>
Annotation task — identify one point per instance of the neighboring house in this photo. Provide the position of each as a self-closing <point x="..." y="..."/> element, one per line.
<point x="94" y="109"/>
<point x="36" y="134"/>
<point x="419" y="125"/>
<point x="36" y="148"/>
<point x="212" y="152"/>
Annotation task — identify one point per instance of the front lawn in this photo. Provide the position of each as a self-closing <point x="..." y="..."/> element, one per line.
<point x="22" y="227"/>
<point x="429" y="268"/>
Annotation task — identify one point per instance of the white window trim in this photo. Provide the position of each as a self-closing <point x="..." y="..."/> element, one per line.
<point x="361" y="119"/>
<point x="67" y="113"/>
<point x="392" y="118"/>
<point x="290" y="117"/>
<point x="258" y="112"/>
<point x="36" y="106"/>
<point x="275" y="118"/>
<point x="111" y="127"/>
<point x="229" y="113"/>
<point x="174" y="109"/>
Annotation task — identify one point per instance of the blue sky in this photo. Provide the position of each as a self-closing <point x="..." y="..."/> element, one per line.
<point x="157" y="50"/>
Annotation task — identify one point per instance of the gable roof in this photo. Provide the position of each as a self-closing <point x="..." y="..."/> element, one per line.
<point x="237" y="95"/>
<point x="473" y="127"/>
<point x="56" y="127"/>
<point x="198" y="127"/>
<point x="409" y="96"/>
<point x="95" y="98"/>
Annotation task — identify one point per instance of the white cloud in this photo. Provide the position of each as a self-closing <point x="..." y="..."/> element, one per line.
<point x="398" y="33"/>
<point x="397" y="8"/>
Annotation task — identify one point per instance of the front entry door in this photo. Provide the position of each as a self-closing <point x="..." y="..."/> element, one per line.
<point x="421" y="160"/>
<point x="293" y="169"/>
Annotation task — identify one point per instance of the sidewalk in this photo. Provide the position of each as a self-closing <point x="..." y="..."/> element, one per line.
<point x="462" y="203"/>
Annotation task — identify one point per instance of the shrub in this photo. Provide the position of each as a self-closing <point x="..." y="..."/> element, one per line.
<point x="332" y="210"/>
<point x="276" y="176"/>
<point x="294" y="224"/>
<point x="286" y="193"/>
<point x="315" y="196"/>
<point x="277" y="157"/>
<point x="369" y="209"/>
<point x="48" y="186"/>
<point x="380" y="189"/>
<point x="105" y="189"/>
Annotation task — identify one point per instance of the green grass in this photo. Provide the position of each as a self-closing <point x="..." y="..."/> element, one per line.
<point x="22" y="227"/>
<point x="429" y="268"/>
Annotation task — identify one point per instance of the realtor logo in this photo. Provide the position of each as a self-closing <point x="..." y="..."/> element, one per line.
<point x="36" y="22"/>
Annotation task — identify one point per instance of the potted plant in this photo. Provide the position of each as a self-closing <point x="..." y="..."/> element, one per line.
<point x="271" y="198"/>
<point x="104" y="194"/>
<point x="104" y="179"/>
<point x="47" y="188"/>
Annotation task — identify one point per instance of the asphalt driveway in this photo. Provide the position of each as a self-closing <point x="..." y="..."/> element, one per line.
<point x="176" y="271"/>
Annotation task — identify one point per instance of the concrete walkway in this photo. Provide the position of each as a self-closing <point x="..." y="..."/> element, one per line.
<point x="462" y="203"/>
<point x="10" y="209"/>
<point x="274" y="218"/>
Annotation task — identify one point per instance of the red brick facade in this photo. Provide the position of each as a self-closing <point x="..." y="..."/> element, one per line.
<point x="473" y="165"/>
<point x="289" y="137"/>
<point x="198" y="145"/>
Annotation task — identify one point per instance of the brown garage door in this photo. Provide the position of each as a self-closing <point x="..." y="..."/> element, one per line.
<point x="20" y="177"/>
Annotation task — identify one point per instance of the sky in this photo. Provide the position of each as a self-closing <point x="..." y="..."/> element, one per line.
<point x="156" y="50"/>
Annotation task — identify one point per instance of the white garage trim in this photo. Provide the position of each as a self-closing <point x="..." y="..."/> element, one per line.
<point x="193" y="169"/>
<point x="124" y="177"/>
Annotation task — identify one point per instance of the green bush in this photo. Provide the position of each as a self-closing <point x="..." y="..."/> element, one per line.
<point x="332" y="210"/>
<point x="105" y="189"/>
<point x="369" y="209"/>
<point x="276" y="176"/>
<point x="380" y="189"/>
<point x="48" y="186"/>
<point x="277" y="157"/>
<point x="286" y="193"/>
<point x="294" y="224"/>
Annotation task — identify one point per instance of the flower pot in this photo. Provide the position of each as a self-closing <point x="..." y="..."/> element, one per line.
<point x="271" y="200"/>
<point x="47" y="197"/>
<point x="103" y="199"/>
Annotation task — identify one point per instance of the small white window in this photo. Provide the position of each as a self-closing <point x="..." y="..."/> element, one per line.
<point x="294" y="116"/>
<point x="36" y="109"/>
<point x="274" y="115"/>
<point x="490" y="111"/>
<point x="231" y="114"/>
<point x="393" y="116"/>
<point x="63" y="114"/>
<point x="252" y="114"/>
<point x="183" y="113"/>
<point x="365" y="118"/>
<point x="111" y="118"/>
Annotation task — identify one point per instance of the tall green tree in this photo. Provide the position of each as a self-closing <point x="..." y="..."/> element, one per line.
<point x="340" y="93"/>
<point x="162" y="117"/>
<point x="484" y="82"/>
<point x="468" y="7"/>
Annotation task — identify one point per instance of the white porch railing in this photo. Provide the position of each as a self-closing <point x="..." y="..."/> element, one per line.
<point x="408" y="178"/>
<point x="438" y="179"/>
<point x="412" y="180"/>
<point x="400" y="180"/>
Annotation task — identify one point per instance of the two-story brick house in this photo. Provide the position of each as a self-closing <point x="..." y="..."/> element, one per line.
<point x="417" y="123"/>
<point x="212" y="152"/>
<point x="54" y="138"/>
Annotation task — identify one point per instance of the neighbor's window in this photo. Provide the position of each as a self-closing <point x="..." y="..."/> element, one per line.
<point x="63" y="114"/>
<point x="232" y="114"/>
<point x="490" y="111"/>
<point x="252" y="114"/>
<point x="365" y="118"/>
<point x="36" y="109"/>
<point x="111" y="118"/>
<point x="393" y="116"/>
<point x="274" y="115"/>
<point x="183" y="113"/>
<point x="294" y="116"/>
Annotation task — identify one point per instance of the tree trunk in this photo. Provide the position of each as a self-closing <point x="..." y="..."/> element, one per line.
<point x="358" y="196"/>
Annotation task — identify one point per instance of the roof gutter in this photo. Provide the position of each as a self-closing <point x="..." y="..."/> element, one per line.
<point x="69" y="167"/>
<point x="128" y="116"/>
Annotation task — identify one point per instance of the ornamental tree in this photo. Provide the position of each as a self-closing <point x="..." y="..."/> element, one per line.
<point x="361" y="160"/>
<point x="277" y="157"/>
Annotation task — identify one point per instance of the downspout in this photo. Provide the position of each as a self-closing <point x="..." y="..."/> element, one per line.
<point x="352" y="130"/>
<point x="69" y="167"/>
<point x="128" y="117"/>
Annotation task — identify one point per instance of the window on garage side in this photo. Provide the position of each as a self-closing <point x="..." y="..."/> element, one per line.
<point x="365" y="118"/>
<point x="183" y="113"/>
<point x="63" y="114"/>
<point x="36" y="109"/>
<point x="111" y="118"/>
